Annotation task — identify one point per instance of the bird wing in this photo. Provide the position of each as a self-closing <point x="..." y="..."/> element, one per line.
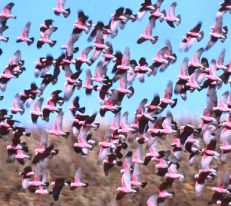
<point x="59" y="121"/>
<point x="3" y="28"/>
<point x="171" y="10"/>
<point x="88" y="77"/>
<point x="49" y="31"/>
<point x="141" y="107"/>
<point x="126" y="179"/>
<point x="197" y="28"/>
<point x="44" y="139"/>
<point x="184" y="67"/>
<point x="124" y="120"/>
<point x="86" y="51"/>
<point x="61" y="4"/>
<point x="153" y="200"/>
<point x="78" y="174"/>
<point x="8" y="7"/>
<point x="136" y="175"/>
<point x="126" y="57"/>
<point x="221" y="57"/>
<point x="150" y="26"/>
<point x="168" y="90"/>
<point x="168" y="45"/>
<point x="197" y="55"/>
<point x="218" y="22"/>
<point x="38" y="104"/>
<point x="26" y="30"/>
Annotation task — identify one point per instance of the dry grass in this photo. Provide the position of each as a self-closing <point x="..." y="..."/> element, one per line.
<point x="101" y="189"/>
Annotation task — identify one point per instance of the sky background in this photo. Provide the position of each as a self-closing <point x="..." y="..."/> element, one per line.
<point x="191" y="11"/>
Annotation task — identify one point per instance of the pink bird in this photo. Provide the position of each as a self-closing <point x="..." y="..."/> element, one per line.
<point x="136" y="177"/>
<point x="26" y="174"/>
<point x="45" y="38"/>
<point x="83" y="58"/>
<point x="57" y="130"/>
<point x="6" y="14"/>
<point x="89" y="82"/>
<point x="160" y="60"/>
<point x="147" y="36"/>
<point x="20" y="156"/>
<point x="100" y="73"/>
<point x="126" y="185"/>
<point x="109" y="104"/>
<point x="162" y="167"/>
<point x="190" y="37"/>
<point x="25" y="35"/>
<point x="196" y="63"/>
<point x="159" y="197"/>
<point x="17" y="106"/>
<point x="37" y="111"/>
<point x="4" y="78"/>
<point x="157" y="13"/>
<point x="125" y="128"/>
<point x="209" y="154"/>
<point x="123" y="88"/>
<point x="173" y="173"/>
<point x="167" y="99"/>
<point x="124" y="66"/>
<point x="2" y="38"/>
<point x="137" y="156"/>
<point x="177" y="148"/>
<point x="170" y="17"/>
<point x="82" y="142"/>
<point x="77" y="180"/>
<point x="220" y="61"/>
<point x="218" y="31"/>
<point x="201" y="178"/>
<point x="183" y="77"/>
<point x="61" y="10"/>
<point x="169" y="55"/>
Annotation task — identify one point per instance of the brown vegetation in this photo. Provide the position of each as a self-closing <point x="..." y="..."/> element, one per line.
<point x="101" y="189"/>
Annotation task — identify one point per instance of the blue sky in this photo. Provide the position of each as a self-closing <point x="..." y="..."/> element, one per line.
<point x="191" y="11"/>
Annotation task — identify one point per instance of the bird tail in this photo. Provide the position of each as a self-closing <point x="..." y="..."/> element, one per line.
<point x="178" y="17"/>
<point x="66" y="135"/>
<point x="174" y="104"/>
<point x="21" y="112"/>
<point x="17" y="41"/>
<point x="144" y="184"/>
<point x="135" y="18"/>
<point x="81" y="110"/>
<point x="119" y="163"/>
<point x="141" y="40"/>
<point x="102" y="112"/>
<point x="96" y="88"/>
<point x="53" y="43"/>
<point x="117" y="110"/>
<point x="68" y="13"/>
<point x="173" y="61"/>
<point x="132" y="92"/>
<point x="54" y="152"/>
<point x="201" y="36"/>
<point x="56" y="13"/>
<point x="75" y="49"/>
<point x="225" y="28"/>
<point x="32" y="41"/>
<point x="39" y="44"/>
<point x="154" y="40"/>
<point x="7" y="39"/>
<point x="164" y="14"/>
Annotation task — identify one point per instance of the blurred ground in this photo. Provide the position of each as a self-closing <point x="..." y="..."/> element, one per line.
<point x="101" y="189"/>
